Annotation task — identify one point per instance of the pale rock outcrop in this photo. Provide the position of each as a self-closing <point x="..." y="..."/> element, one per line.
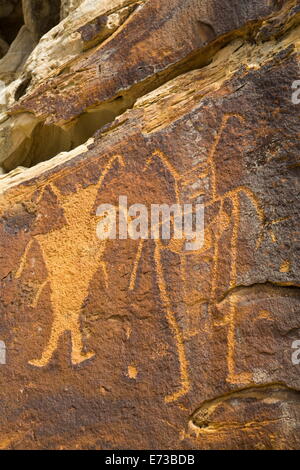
<point x="12" y="63"/>
<point x="67" y="6"/>
<point x="64" y="42"/>
<point x="79" y="80"/>
<point x="40" y="15"/>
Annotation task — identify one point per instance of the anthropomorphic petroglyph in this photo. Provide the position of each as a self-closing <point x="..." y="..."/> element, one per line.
<point x="64" y="259"/>
<point x="215" y="228"/>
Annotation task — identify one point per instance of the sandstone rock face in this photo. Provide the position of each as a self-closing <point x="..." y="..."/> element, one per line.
<point x="22" y="23"/>
<point x="67" y="6"/>
<point x="41" y="15"/>
<point x="3" y="47"/>
<point x="14" y="59"/>
<point x="124" y="343"/>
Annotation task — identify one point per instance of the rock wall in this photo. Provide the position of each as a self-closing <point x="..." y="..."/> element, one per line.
<point x="142" y="343"/>
<point x="22" y="24"/>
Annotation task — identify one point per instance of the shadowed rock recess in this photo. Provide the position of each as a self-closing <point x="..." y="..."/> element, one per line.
<point x="141" y="344"/>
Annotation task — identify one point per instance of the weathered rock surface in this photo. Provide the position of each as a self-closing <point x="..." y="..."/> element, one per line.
<point x="142" y="344"/>
<point x="17" y="54"/>
<point x="41" y="15"/>
<point x="22" y="24"/>
<point x="78" y="82"/>
<point x="67" y="6"/>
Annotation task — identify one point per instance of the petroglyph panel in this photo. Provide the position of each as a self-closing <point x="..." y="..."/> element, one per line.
<point x="141" y="343"/>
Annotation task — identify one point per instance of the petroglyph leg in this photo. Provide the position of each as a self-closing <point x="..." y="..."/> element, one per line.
<point x="174" y="327"/>
<point x="38" y="294"/>
<point x="24" y="259"/>
<point x="56" y="333"/>
<point x="77" y="355"/>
